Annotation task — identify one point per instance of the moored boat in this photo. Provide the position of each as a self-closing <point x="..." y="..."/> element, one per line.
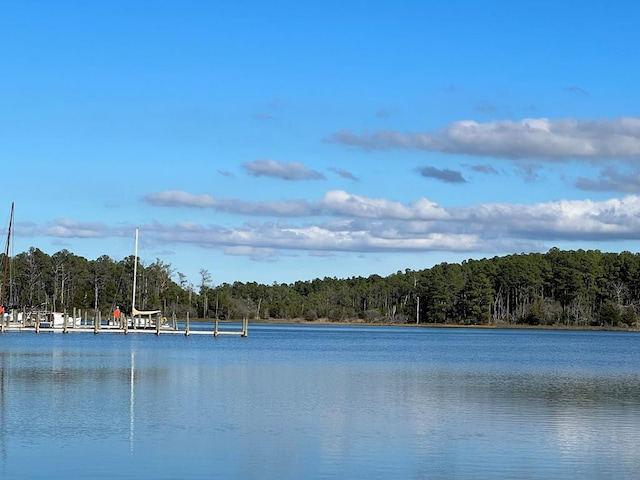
<point x="57" y="320"/>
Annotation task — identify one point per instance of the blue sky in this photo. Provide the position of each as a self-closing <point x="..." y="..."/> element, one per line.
<point x="281" y="141"/>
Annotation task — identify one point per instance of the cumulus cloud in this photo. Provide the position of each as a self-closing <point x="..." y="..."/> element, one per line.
<point x="335" y="203"/>
<point x="344" y="222"/>
<point x="283" y="170"/>
<point x="316" y="238"/>
<point x="344" y="204"/>
<point x="425" y="226"/>
<point x="340" y="211"/>
<point x="444" y="174"/>
<point x="68" y="228"/>
<point x="617" y="218"/>
<point x="531" y="138"/>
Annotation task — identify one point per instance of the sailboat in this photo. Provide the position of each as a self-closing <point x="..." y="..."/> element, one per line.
<point x="136" y="314"/>
<point x="6" y="300"/>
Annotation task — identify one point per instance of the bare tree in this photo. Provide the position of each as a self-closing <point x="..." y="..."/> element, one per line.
<point x="205" y="280"/>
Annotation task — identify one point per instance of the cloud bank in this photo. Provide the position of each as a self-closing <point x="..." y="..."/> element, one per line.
<point x="344" y="222"/>
<point x="531" y="138"/>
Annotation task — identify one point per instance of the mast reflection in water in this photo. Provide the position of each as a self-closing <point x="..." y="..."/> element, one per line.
<point x="322" y="401"/>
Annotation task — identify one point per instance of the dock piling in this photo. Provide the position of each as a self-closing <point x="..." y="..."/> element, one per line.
<point x="245" y="327"/>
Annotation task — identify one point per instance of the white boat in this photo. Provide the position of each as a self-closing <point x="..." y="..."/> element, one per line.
<point x="56" y="320"/>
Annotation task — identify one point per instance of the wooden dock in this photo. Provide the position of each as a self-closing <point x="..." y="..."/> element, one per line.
<point x="125" y="329"/>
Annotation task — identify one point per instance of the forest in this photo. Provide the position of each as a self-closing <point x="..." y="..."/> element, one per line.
<point x="566" y="288"/>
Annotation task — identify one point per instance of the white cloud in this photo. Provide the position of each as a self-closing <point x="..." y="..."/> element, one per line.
<point x="344" y="222"/>
<point x="616" y="218"/>
<point x="334" y="203"/>
<point x="68" y="228"/>
<point x="341" y="203"/>
<point x="531" y="138"/>
<point x="174" y="198"/>
<point x="171" y="198"/>
<point x="283" y="170"/>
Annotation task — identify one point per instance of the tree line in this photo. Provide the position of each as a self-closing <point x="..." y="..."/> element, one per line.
<point x="577" y="288"/>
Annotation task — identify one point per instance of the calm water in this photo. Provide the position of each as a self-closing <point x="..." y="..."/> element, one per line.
<point x="321" y="402"/>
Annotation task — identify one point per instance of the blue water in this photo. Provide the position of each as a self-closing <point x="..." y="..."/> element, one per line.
<point x="321" y="402"/>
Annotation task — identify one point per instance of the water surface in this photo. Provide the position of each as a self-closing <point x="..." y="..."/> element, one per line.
<point x="321" y="402"/>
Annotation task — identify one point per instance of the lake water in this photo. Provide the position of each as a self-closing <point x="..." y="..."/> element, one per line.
<point x="314" y="402"/>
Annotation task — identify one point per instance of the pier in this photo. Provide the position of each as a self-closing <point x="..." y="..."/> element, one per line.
<point x="125" y="326"/>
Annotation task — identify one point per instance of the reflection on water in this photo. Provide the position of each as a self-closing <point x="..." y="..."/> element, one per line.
<point x="315" y="402"/>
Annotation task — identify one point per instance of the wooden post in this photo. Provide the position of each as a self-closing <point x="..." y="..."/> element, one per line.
<point x="37" y="324"/>
<point x="215" y="327"/>
<point x="186" y="326"/>
<point x="158" y="322"/>
<point x="96" y="322"/>
<point x="64" y="322"/>
<point x="245" y="327"/>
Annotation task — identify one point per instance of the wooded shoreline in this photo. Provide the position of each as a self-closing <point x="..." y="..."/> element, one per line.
<point x="587" y="289"/>
<point x="361" y="323"/>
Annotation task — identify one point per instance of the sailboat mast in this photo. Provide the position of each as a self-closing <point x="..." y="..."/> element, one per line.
<point x="5" y="269"/>
<point x="135" y="275"/>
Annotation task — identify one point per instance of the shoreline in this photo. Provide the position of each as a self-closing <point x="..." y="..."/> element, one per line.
<point x="360" y="323"/>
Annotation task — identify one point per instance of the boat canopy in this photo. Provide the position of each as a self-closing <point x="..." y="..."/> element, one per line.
<point x="135" y="311"/>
